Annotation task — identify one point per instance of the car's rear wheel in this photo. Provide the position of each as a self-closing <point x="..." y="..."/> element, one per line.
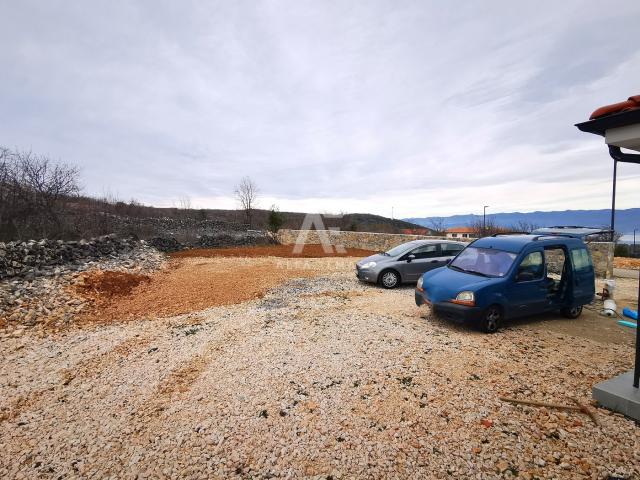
<point x="573" y="312"/>
<point x="389" y="279"/>
<point x="491" y="319"/>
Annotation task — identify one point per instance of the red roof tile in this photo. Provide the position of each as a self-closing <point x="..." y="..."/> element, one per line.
<point x="632" y="103"/>
<point x="460" y="230"/>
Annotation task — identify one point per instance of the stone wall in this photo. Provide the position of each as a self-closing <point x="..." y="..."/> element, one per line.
<point x="216" y="240"/>
<point x="42" y="257"/>
<point x="601" y="252"/>
<point x="364" y="240"/>
<point x="602" y="255"/>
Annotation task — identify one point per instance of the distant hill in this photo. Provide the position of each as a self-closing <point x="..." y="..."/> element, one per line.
<point x="626" y="220"/>
<point x="363" y="222"/>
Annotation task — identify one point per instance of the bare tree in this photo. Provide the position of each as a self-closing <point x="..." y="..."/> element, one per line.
<point x="33" y="190"/>
<point x="523" y="226"/>
<point x="246" y="193"/>
<point x="484" y="229"/>
<point x="184" y="206"/>
<point x="607" y="236"/>
<point x="438" y="225"/>
<point x="184" y="202"/>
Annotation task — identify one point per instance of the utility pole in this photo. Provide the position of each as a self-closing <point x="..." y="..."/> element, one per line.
<point x="634" y="241"/>
<point x="484" y="221"/>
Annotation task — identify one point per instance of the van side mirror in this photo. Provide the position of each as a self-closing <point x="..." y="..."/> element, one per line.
<point x="410" y="258"/>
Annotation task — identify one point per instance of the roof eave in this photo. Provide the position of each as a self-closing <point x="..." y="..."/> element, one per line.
<point x="599" y="126"/>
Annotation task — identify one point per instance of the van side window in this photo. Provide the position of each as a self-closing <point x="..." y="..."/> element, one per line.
<point x="531" y="268"/>
<point x="581" y="259"/>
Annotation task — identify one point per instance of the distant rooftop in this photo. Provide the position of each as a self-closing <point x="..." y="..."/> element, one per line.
<point x="460" y="230"/>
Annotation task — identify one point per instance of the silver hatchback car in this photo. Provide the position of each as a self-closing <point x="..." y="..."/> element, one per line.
<point x="407" y="262"/>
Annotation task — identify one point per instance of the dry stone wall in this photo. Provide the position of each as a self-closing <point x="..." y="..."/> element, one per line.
<point x="601" y="252"/>
<point x="42" y="257"/>
<point x="364" y="240"/>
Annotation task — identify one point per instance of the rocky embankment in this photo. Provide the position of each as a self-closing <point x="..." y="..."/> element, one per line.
<point x="39" y="280"/>
<point x="215" y="240"/>
<point x="35" y="258"/>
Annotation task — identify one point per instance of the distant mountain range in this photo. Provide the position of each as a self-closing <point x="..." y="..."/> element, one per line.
<point x="626" y="220"/>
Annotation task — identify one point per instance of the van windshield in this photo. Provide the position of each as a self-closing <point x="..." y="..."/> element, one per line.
<point x="487" y="262"/>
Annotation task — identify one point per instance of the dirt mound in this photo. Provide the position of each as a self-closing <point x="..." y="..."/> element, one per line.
<point x="623" y="262"/>
<point x="106" y="284"/>
<point x="193" y="284"/>
<point x="282" y="251"/>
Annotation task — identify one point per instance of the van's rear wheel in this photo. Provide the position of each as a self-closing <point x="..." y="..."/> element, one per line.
<point x="573" y="312"/>
<point x="389" y="279"/>
<point x="491" y="319"/>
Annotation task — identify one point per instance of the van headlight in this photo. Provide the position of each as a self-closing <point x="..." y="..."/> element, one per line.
<point x="419" y="285"/>
<point x="369" y="265"/>
<point x="465" y="298"/>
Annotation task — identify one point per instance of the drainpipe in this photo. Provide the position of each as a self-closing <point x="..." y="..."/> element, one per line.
<point x="613" y="200"/>
<point x="618" y="156"/>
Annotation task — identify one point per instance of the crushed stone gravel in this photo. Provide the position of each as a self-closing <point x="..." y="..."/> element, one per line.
<point x="321" y="377"/>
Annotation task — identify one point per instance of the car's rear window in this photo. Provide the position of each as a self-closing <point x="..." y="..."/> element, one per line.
<point x="484" y="261"/>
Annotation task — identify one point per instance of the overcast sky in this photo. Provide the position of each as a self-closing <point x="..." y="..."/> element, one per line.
<point x="433" y="108"/>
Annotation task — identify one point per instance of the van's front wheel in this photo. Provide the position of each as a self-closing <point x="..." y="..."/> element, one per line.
<point x="573" y="312"/>
<point x="491" y="319"/>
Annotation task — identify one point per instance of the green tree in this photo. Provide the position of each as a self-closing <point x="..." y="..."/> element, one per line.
<point x="275" y="219"/>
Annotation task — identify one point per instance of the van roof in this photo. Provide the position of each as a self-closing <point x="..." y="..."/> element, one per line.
<point x="515" y="243"/>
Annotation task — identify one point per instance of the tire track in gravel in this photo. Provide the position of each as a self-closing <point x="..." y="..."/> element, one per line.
<point x="89" y="368"/>
<point x="177" y="385"/>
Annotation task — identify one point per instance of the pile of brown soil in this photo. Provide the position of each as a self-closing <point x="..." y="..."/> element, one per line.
<point x="193" y="284"/>
<point x="624" y="262"/>
<point x="282" y="251"/>
<point x="106" y="284"/>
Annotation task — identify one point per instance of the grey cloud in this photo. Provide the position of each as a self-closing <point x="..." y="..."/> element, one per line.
<point x="348" y="100"/>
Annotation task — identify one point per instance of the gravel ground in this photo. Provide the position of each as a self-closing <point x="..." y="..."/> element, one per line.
<point x="322" y="377"/>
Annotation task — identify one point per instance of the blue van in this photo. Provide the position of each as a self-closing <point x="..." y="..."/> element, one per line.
<point x="508" y="276"/>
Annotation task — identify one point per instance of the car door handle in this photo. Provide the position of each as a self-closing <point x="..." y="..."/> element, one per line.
<point x="434" y="261"/>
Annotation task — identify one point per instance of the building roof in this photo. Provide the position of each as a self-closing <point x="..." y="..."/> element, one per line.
<point x="460" y="230"/>
<point x="632" y="103"/>
<point x="612" y="116"/>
